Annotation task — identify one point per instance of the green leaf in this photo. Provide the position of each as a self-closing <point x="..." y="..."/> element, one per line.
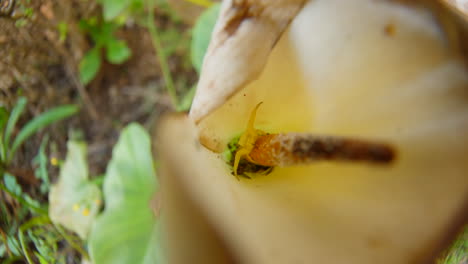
<point x="87" y="24"/>
<point x="14" y="116"/>
<point x="45" y="238"/>
<point x="42" y="260"/>
<point x="90" y="26"/>
<point x="12" y="185"/>
<point x="62" y="28"/>
<point x="113" y="8"/>
<point x="41" y="162"/>
<point x="3" y="121"/>
<point x="15" y="190"/>
<point x="136" y="6"/>
<point x="127" y="230"/>
<point x="106" y="33"/>
<point x="186" y="101"/>
<point x="3" y="251"/>
<point x="3" y="118"/>
<point x="202" y="35"/>
<point x="89" y="65"/>
<point x="117" y="51"/>
<point x="172" y="40"/>
<point x="74" y="200"/>
<point x="41" y="121"/>
<point x="14" y="245"/>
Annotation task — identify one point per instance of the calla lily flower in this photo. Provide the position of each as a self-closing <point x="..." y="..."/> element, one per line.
<point x="385" y="71"/>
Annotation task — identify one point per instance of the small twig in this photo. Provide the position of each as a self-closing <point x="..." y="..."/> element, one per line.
<point x="81" y="89"/>
<point x="70" y="61"/>
<point x="84" y="95"/>
<point x="160" y="54"/>
<point x="18" y="77"/>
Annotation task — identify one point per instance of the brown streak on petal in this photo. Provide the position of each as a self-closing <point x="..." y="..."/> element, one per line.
<point x="247" y="45"/>
<point x="390" y="29"/>
<point x="243" y="10"/>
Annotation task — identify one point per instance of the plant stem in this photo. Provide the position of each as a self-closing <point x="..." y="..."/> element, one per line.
<point x="162" y="60"/>
<point x="203" y="3"/>
<point x="71" y="242"/>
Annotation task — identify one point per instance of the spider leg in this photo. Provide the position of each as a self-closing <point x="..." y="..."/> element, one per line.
<point x="239" y="154"/>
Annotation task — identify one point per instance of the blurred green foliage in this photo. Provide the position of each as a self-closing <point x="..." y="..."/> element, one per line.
<point x="202" y="34"/>
<point x="8" y="120"/>
<point x="458" y="252"/>
<point x="16" y="231"/>
<point x="102" y="34"/>
<point x="128" y="231"/>
<point x="113" y="8"/>
<point x="74" y="201"/>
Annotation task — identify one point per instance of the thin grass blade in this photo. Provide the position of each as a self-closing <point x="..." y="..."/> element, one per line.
<point x="14" y="116"/>
<point x="3" y="118"/>
<point x="41" y="121"/>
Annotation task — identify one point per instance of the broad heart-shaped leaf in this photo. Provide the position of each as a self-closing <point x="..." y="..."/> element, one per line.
<point x="117" y="51"/>
<point x="126" y="232"/>
<point x="202" y="35"/>
<point x="89" y="65"/>
<point x="74" y="200"/>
